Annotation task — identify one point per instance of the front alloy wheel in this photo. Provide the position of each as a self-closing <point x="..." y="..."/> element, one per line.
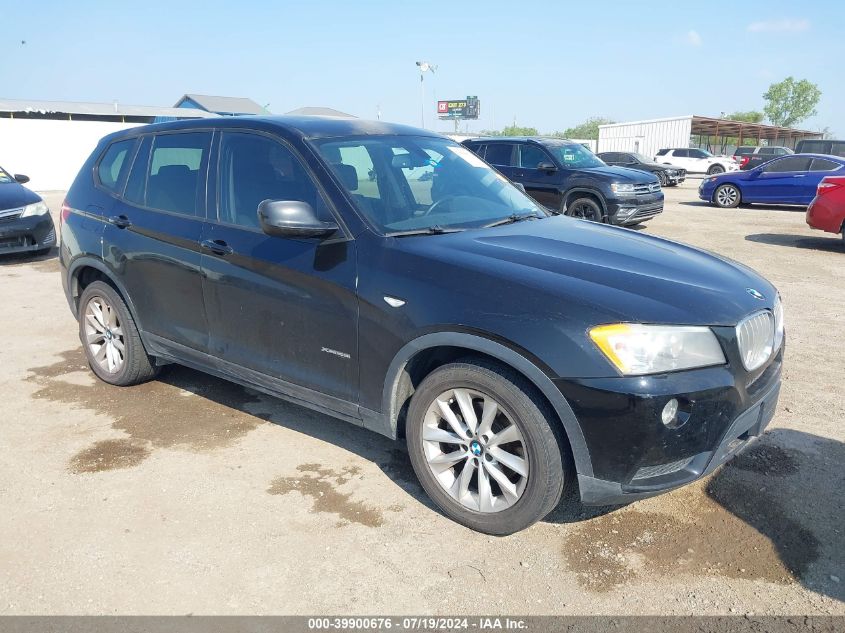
<point x="486" y="447"/>
<point x="727" y="197"/>
<point x="478" y="460"/>
<point x="585" y="209"/>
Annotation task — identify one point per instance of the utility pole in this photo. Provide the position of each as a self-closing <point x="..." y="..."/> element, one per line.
<point x="424" y="66"/>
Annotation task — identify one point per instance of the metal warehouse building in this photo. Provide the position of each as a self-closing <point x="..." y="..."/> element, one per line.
<point x="713" y="134"/>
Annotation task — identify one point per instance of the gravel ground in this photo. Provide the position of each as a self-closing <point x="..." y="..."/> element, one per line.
<point x="193" y="495"/>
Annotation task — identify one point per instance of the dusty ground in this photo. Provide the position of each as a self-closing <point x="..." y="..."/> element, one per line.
<point x="192" y="495"/>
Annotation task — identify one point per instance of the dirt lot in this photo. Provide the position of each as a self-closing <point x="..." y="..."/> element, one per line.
<point x="192" y="495"/>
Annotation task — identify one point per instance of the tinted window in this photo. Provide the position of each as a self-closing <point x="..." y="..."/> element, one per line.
<point x="662" y="152"/>
<point x="475" y="147"/>
<point x="176" y="173"/>
<point x="743" y="151"/>
<point x="697" y="153"/>
<point x="255" y="168"/>
<point x="114" y="163"/>
<point x="813" y="147"/>
<point x="822" y="164"/>
<point x="136" y="186"/>
<point x="771" y="151"/>
<point x="531" y="156"/>
<point x="837" y="148"/>
<point x="611" y="157"/>
<point x="500" y="154"/>
<point x="681" y="153"/>
<point x="792" y="163"/>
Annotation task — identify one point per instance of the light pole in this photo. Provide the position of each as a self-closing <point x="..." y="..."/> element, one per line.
<point x="424" y="66"/>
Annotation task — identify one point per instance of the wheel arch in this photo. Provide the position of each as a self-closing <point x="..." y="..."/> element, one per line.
<point x="79" y="271"/>
<point x="419" y="357"/>
<point x="571" y="194"/>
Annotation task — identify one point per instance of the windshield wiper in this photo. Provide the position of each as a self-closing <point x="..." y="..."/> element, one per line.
<point x="429" y="230"/>
<point x="514" y="217"/>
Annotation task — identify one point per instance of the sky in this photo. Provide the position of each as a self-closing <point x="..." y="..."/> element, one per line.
<point x="548" y="65"/>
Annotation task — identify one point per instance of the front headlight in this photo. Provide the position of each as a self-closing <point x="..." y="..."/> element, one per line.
<point x="36" y="208"/>
<point x="636" y="349"/>
<point x="618" y="187"/>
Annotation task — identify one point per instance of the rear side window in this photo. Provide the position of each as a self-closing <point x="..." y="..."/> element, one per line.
<point x="792" y="163"/>
<point x="500" y="154"/>
<point x="177" y="171"/>
<point x="662" y="152"/>
<point x="681" y="153"/>
<point x="114" y="163"/>
<point x="837" y="148"/>
<point x="813" y="147"/>
<point x="136" y="186"/>
<point x="822" y="164"/>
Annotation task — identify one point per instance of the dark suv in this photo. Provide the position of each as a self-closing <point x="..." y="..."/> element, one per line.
<point x="519" y="353"/>
<point x="568" y="178"/>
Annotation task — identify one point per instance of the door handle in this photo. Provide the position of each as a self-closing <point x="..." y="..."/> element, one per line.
<point x="120" y="221"/>
<point x="218" y="247"/>
<point x="799" y="175"/>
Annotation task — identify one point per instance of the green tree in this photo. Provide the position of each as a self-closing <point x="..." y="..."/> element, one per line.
<point x="789" y="102"/>
<point x="589" y="129"/>
<point x="748" y="116"/>
<point x="511" y="130"/>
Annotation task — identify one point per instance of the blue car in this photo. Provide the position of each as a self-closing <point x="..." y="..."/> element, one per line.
<point x="785" y="180"/>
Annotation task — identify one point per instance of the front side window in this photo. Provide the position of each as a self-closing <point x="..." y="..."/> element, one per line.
<point x="254" y="168"/>
<point x="530" y="156"/>
<point x="574" y="156"/>
<point x="114" y="163"/>
<point x="176" y="173"/>
<point x="423" y="182"/>
<point x="699" y="153"/>
<point x="5" y="177"/>
<point x="792" y="163"/>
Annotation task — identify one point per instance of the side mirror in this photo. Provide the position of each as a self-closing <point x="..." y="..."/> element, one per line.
<point x="519" y="186"/>
<point x="292" y="218"/>
<point x="547" y="166"/>
<point x="21" y="179"/>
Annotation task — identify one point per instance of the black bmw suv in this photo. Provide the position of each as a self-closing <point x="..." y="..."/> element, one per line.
<point x="567" y="178"/>
<point x="388" y="276"/>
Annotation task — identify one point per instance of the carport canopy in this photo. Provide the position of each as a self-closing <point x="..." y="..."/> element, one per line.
<point x="720" y="130"/>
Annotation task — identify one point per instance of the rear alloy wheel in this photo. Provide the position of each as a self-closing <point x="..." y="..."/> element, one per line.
<point x="727" y="197"/>
<point x="585" y="209"/>
<point x="110" y="338"/>
<point x="484" y="449"/>
<point x="716" y="169"/>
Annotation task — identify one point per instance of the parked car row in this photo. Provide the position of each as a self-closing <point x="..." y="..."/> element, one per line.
<point x="567" y="178"/>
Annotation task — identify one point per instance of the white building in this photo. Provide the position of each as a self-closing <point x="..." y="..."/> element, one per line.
<point x="713" y="134"/>
<point x="49" y="140"/>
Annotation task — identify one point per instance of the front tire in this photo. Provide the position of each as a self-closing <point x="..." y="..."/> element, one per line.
<point x="110" y="338"/>
<point x="484" y="447"/>
<point x="727" y="197"/>
<point x="585" y="209"/>
<point x="661" y="176"/>
<point x="715" y="169"/>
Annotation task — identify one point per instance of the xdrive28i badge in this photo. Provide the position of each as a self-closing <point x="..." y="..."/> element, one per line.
<point x="755" y="293"/>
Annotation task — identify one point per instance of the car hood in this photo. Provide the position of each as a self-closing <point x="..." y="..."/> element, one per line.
<point x="653" y="165"/>
<point x="612" y="274"/>
<point x="14" y="195"/>
<point x="620" y="174"/>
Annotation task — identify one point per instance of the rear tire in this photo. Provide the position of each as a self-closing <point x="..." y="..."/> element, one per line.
<point x="585" y="209"/>
<point x="472" y="425"/>
<point x="727" y="197"/>
<point x="715" y="169"/>
<point x="110" y="338"/>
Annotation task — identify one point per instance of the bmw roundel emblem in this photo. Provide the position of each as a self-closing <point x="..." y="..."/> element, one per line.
<point x="755" y="293"/>
<point x="475" y="447"/>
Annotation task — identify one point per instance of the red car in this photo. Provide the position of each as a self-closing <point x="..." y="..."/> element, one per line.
<point x="827" y="210"/>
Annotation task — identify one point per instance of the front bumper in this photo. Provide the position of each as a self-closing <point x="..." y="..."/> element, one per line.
<point x="634" y="455"/>
<point x="628" y="210"/>
<point x="22" y="235"/>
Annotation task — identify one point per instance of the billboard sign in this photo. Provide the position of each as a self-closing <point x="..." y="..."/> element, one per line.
<point x="468" y="108"/>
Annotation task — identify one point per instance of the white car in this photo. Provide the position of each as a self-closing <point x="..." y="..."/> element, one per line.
<point x="696" y="161"/>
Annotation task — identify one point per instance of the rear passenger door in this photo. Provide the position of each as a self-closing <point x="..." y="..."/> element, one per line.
<point x="152" y="241"/>
<point x="503" y="157"/>
<point x="282" y="307"/>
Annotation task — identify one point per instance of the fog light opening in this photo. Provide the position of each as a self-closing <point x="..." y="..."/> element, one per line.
<point x="669" y="415"/>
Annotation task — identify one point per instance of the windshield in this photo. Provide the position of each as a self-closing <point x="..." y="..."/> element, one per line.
<point x="410" y="183"/>
<point x="574" y="156"/>
<point x="4" y="176"/>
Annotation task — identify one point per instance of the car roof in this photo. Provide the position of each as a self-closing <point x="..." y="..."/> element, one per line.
<point x="540" y="140"/>
<point x="307" y="127"/>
